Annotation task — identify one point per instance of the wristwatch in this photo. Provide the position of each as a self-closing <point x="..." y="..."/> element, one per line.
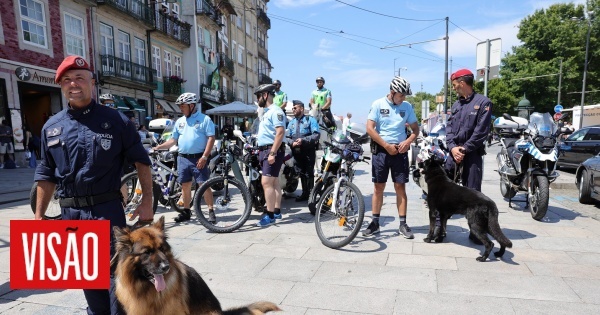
<point x="272" y="153"/>
<point x="204" y="157"/>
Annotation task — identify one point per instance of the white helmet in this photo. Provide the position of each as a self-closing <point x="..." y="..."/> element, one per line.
<point x="187" y="98"/>
<point x="400" y="85"/>
<point x="106" y="97"/>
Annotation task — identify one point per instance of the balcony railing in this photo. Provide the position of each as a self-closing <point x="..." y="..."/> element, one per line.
<point x="264" y="79"/>
<point x="173" y="27"/>
<point x="229" y="96"/>
<point x="262" y="16"/>
<point x="135" y="8"/>
<point x="226" y="64"/>
<point x="171" y="87"/>
<point x="112" y="66"/>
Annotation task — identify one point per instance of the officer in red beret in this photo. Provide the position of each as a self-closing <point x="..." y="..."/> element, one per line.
<point x="83" y="149"/>
<point x="467" y="130"/>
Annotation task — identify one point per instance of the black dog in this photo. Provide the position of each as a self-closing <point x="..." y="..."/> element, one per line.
<point x="447" y="198"/>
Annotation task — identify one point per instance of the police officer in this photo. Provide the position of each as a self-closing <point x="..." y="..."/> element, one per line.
<point x="303" y="136"/>
<point x="389" y="145"/>
<point x="108" y="100"/>
<point x="467" y="129"/>
<point x="321" y="97"/>
<point x="270" y="143"/>
<point x="280" y="98"/>
<point x="83" y="151"/>
<point x="194" y="133"/>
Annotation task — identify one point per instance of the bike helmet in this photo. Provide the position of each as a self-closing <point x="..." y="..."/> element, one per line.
<point x="276" y="82"/>
<point x="400" y="85"/>
<point x="106" y="97"/>
<point x="270" y="88"/>
<point x="187" y="98"/>
<point x="320" y="79"/>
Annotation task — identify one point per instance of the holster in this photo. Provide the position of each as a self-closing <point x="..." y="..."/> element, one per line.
<point x="375" y="148"/>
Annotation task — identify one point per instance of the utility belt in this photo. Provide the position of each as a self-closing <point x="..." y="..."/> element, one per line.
<point x="87" y="201"/>
<point x="192" y="156"/>
<point x="376" y="148"/>
<point x="268" y="147"/>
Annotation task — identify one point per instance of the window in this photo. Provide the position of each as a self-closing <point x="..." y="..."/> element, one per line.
<point x="33" y="22"/>
<point x="124" y="48"/>
<point x="592" y="135"/>
<point x="200" y="36"/>
<point x="168" y="69"/>
<point x="225" y="25"/>
<point x="233" y="50"/>
<point x="202" y="75"/>
<point x="156" y="60"/>
<point x="240" y="54"/>
<point x="241" y="92"/>
<point x="107" y="48"/>
<point x="238" y="21"/>
<point x="139" y="57"/>
<point x="225" y="85"/>
<point x="210" y="42"/>
<point x="248" y="28"/>
<point x="74" y="35"/>
<point x="250" y="93"/>
<point x="578" y="135"/>
<point x="177" y="65"/>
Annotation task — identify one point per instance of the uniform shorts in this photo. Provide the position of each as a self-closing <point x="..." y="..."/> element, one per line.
<point x="186" y="169"/>
<point x="271" y="170"/>
<point x="6" y="148"/>
<point x="382" y="163"/>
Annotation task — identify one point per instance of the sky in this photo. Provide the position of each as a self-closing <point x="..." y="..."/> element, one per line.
<point x="350" y="47"/>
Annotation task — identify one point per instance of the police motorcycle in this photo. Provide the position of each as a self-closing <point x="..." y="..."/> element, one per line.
<point x="435" y="139"/>
<point x="529" y="163"/>
<point x="331" y="162"/>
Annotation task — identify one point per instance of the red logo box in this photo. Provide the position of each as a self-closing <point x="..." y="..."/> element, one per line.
<point x="68" y="254"/>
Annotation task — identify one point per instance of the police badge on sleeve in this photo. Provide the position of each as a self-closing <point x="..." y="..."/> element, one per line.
<point x="105" y="144"/>
<point x="280" y="117"/>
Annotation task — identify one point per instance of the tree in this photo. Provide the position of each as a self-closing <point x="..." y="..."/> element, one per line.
<point x="417" y="99"/>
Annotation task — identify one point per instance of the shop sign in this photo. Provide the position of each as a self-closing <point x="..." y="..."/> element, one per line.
<point x="25" y="74"/>
<point x="210" y="94"/>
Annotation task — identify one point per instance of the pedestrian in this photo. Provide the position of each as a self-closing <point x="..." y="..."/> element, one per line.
<point x="108" y="100"/>
<point x="194" y="133"/>
<point x="303" y="136"/>
<point x="227" y="130"/>
<point x="346" y="122"/>
<point x="467" y="129"/>
<point x="271" y="151"/>
<point x="143" y="132"/>
<point x="83" y="151"/>
<point x="32" y="143"/>
<point x="244" y="125"/>
<point x="280" y="98"/>
<point x="321" y="100"/>
<point x="6" y="142"/>
<point x="389" y="144"/>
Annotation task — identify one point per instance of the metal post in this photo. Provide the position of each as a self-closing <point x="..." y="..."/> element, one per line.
<point x="587" y="46"/>
<point x="486" y="76"/>
<point x="559" y="82"/>
<point x="446" y="70"/>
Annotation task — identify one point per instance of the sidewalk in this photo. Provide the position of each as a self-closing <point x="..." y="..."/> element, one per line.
<point x="553" y="267"/>
<point x="15" y="184"/>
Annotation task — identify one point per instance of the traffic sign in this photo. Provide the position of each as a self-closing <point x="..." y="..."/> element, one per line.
<point x="558" y="108"/>
<point x="557" y="116"/>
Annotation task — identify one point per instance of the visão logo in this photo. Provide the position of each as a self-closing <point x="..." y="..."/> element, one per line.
<point x="68" y="254"/>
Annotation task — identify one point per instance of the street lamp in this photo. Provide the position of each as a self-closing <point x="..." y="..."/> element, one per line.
<point x="585" y="65"/>
<point x="399" y="69"/>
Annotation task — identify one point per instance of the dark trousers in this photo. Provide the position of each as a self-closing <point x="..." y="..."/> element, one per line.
<point x="305" y="160"/>
<point x="472" y="170"/>
<point x="101" y="302"/>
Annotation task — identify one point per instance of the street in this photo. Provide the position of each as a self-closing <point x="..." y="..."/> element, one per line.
<point x="553" y="267"/>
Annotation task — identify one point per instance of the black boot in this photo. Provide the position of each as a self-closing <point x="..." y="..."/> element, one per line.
<point x="305" y="190"/>
<point x="183" y="216"/>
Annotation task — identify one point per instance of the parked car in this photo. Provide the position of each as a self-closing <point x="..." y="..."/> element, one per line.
<point x="579" y="146"/>
<point x="587" y="179"/>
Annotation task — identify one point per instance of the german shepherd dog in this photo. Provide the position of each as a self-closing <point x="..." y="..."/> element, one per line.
<point x="150" y="280"/>
<point x="447" y="198"/>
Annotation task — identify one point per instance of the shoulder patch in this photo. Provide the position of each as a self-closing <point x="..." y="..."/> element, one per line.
<point x="280" y="117"/>
<point x="53" y="131"/>
<point x="476" y="107"/>
<point x="384" y="111"/>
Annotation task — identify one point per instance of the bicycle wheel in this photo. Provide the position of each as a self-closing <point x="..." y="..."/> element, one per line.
<point x="338" y="228"/>
<point x="130" y="182"/>
<point x="175" y="199"/>
<point x="232" y="205"/>
<point x="53" y="211"/>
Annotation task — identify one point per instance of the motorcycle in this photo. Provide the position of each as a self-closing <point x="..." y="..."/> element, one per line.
<point x="529" y="163"/>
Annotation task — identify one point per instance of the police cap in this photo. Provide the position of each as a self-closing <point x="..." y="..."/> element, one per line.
<point x="71" y="63"/>
<point x="460" y="73"/>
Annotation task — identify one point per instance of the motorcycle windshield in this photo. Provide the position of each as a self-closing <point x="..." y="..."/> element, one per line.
<point x="542" y="125"/>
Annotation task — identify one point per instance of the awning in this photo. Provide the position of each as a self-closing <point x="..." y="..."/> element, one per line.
<point x="134" y="104"/>
<point x="120" y="103"/>
<point x="167" y="107"/>
<point x="211" y="103"/>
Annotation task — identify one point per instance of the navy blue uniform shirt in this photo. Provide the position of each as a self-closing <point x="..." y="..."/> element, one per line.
<point x="469" y="124"/>
<point x="83" y="150"/>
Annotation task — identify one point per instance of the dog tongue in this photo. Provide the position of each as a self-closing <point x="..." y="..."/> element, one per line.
<point x="159" y="282"/>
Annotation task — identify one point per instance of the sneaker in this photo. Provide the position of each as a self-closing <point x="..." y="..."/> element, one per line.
<point x="405" y="231"/>
<point x="183" y="216"/>
<point x="278" y="216"/>
<point x="373" y="228"/>
<point x="265" y="221"/>
<point x="212" y="218"/>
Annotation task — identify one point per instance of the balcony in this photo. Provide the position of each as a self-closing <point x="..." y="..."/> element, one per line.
<point x="262" y="16"/>
<point x="226" y="65"/>
<point x="226" y="6"/>
<point x="135" y="8"/>
<point x="124" y="72"/>
<point x="262" y="49"/>
<point x="172" y="88"/>
<point x="173" y="27"/>
<point x="229" y="96"/>
<point x="203" y="7"/>
<point x="264" y="79"/>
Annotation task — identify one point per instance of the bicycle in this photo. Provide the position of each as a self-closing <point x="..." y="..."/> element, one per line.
<point x="232" y="204"/>
<point x="341" y="209"/>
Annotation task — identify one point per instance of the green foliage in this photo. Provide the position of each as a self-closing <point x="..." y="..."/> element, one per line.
<point x="416" y="100"/>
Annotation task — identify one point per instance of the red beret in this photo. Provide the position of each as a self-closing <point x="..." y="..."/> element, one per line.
<point x="460" y="73"/>
<point x="71" y="63"/>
